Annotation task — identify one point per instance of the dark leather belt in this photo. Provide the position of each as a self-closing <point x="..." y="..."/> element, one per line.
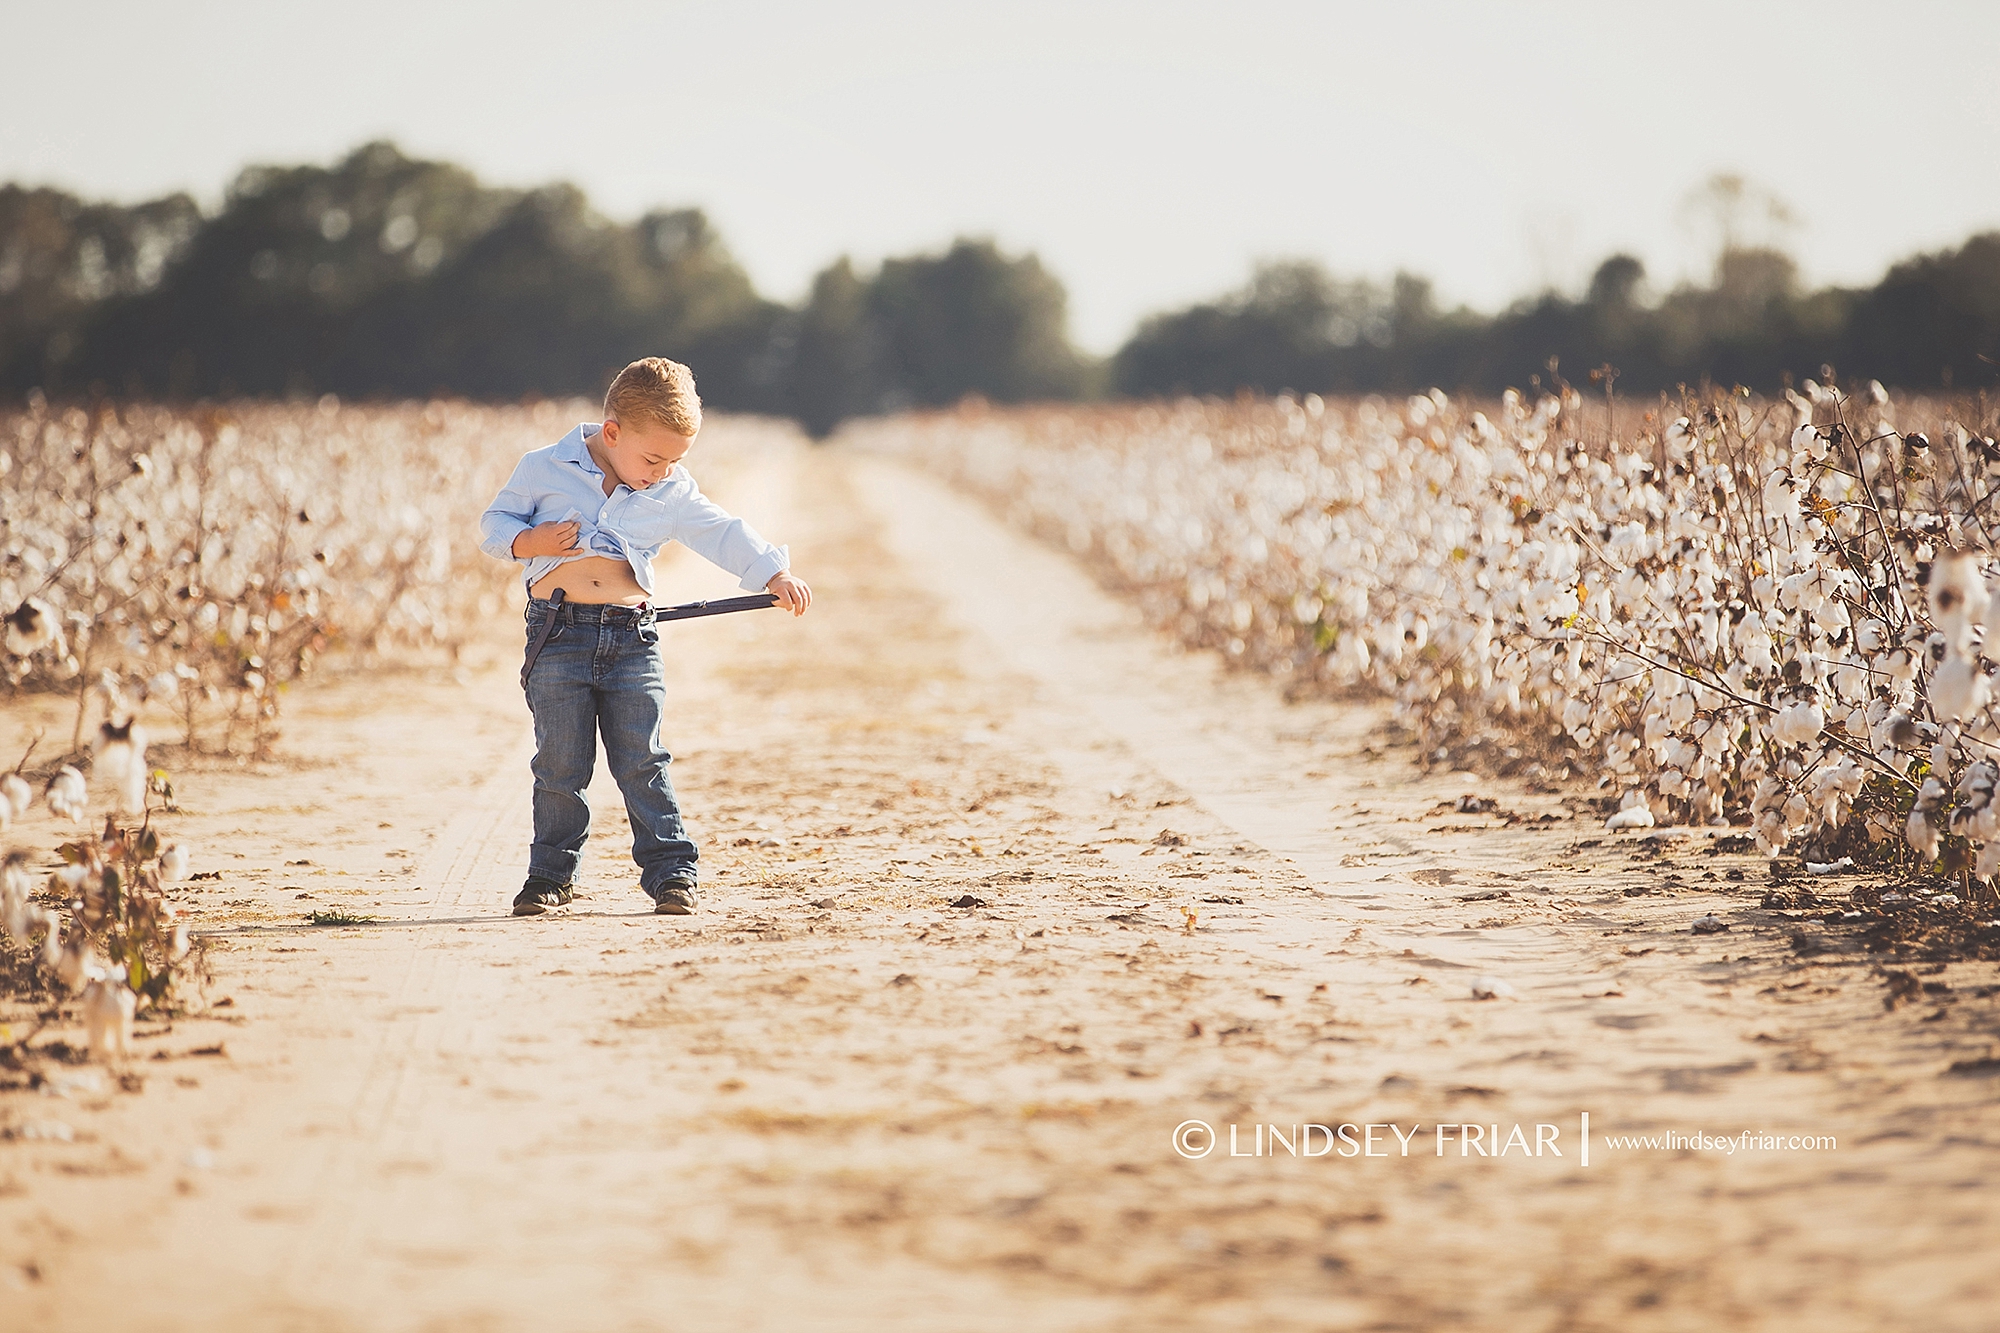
<point x="562" y="609"/>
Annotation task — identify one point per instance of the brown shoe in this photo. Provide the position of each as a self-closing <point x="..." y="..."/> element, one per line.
<point x="675" y="897"/>
<point x="538" y="895"/>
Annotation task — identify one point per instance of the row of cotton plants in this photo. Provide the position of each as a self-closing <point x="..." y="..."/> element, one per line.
<point x="202" y="558"/>
<point x="1767" y="611"/>
<point x="101" y="926"/>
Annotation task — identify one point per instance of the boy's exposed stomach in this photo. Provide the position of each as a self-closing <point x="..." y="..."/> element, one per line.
<point x="595" y="579"/>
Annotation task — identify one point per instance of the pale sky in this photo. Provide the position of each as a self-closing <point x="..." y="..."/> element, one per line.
<point x="1149" y="152"/>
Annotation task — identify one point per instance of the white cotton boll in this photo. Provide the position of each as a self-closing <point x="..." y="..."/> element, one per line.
<point x="1492" y="988"/>
<point x="31" y="627"/>
<point x="1958" y="600"/>
<point x="1350" y="655"/>
<point x="1857" y="721"/>
<point x="1672" y="782"/>
<point x="1680" y="710"/>
<point x="1708" y="633"/>
<point x="24" y="918"/>
<point x="17" y="794"/>
<point x="1922" y="836"/>
<point x="1388" y="638"/>
<point x="1979" y="781"/>
<point x="1781" y="500"/>
<point x="108" y="1007"/>
<point x="174" y="863"/>
<point x="1959" y="688"/>
<point x="68" y="796"/>
<point x="79" y="965"/>
<point x="1632" y="816"/>
<point x="1798" y="812"/>
<point x="1628" y="589"/>
<point x="1754" y="642"/>
<point x="1798" y="724"/>
<point x="1989" y="861"/>
<point x="1808" y="438"/>
<point x="1850" y="680"/>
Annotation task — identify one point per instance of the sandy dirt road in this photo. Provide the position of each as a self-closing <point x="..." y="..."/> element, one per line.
<point x="838" y="1099"/>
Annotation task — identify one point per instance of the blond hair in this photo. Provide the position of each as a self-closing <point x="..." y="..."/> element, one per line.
<point x="657" y="390"/>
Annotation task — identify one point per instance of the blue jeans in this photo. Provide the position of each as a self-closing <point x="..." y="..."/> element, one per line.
<point x="599" y="673"/>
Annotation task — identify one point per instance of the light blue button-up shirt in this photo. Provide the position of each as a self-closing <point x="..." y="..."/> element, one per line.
<point x="562" y="482"/>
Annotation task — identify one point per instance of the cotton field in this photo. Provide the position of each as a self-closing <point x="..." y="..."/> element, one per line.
<point x="200" y="559"/>
<point x="1726" y="608"/>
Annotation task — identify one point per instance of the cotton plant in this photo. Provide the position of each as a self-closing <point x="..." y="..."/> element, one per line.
<point x="101" y="925"/>
<point x="207" y="557"/>
<point x="1769" y="611"/>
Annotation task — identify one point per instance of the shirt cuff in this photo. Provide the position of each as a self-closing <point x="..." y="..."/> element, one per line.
<point x="768" y="567"/>
<point x="500" y="542"/>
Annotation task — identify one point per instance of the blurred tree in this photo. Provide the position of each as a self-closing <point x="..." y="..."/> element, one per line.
<point x="268" y="296"/>
<point x="383" y="274"/>
<point x="62" y="260"/>
<point x="1286" y="329"/>
<point x="973" y="321"/>
<point x="387" y="275"/>
<point x="1934" y="319"/>
<point x="836" y="357"/>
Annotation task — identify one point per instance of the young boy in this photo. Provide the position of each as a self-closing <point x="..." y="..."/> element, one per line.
<point x="587" y="515"/>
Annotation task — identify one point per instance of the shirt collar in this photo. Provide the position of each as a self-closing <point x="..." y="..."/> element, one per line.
<point x="571" y="448"/>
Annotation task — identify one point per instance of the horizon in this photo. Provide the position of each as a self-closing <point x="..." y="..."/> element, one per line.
<point x="1148" y="167"/>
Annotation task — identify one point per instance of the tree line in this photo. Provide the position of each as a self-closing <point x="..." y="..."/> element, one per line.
<point x="388" y="276"/>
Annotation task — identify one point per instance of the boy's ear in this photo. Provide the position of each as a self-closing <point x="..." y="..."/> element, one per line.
<point x="609" y="430"/>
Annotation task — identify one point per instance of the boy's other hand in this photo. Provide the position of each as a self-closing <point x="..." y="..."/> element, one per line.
<point x="792" y="593"/>
<point x="547" y="539"/>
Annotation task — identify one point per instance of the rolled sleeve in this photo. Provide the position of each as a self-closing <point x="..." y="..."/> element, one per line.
<point x="510" y="515"/>
<point x="497" y="533"/>
<point x="773" y="563"/>
<point x="719" y="537"/>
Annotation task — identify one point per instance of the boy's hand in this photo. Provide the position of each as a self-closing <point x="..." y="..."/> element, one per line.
<point x="792" y="594"/>
<point x="547" y="539"/>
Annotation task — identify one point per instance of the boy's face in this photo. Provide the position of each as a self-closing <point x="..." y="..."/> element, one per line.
<point x="644" y="452"/>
